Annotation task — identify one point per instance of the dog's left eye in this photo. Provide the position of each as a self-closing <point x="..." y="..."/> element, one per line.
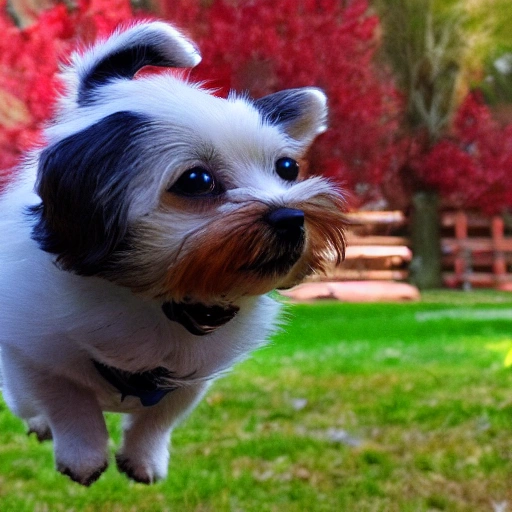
<point x="196" y="182"/>
<point x="287" y="168"/>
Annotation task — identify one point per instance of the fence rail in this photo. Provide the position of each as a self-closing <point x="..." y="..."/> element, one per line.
<point x="476" y="250"/>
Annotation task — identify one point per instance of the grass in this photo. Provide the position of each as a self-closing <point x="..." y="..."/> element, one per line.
<point x="354" y="407"/>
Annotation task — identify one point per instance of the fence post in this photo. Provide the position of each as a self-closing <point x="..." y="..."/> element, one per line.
<point x="499" y="265"/>
<point x="463" y="255"/>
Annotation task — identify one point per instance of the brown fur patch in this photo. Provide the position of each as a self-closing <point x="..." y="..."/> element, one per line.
<point x="213" y="261"/>
<point x="212" y="268"/>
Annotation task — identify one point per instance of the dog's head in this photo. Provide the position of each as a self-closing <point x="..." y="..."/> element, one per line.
<point x="157" y="185"/>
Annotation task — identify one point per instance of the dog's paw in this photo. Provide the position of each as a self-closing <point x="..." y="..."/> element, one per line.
<point x="40" y="428"/>
<point x="81" y="476"/>
<point x="140" y="471"/>
<point x="83" y="464"/>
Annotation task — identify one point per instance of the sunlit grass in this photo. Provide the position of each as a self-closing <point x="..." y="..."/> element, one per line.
<point x="353" y="407"/>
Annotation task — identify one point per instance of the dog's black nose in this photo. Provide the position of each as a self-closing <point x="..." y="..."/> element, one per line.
<point x="286" y="218"/>
<point x="288" y="223"/>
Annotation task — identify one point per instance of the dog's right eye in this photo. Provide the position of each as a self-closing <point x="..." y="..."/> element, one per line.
<point x="196" y="182"/>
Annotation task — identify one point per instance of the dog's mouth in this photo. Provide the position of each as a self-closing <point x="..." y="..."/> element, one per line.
<point x="273" y="267"/>
<point x="267" y="265"/>
<point x="197" y="318"/>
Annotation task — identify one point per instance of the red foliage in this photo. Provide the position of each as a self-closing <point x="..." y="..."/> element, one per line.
<point x="473" y="168"/>
<point x="29" y="60"/>
<point x="470" y="167"/>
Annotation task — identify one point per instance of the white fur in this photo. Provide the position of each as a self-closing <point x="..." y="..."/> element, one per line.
<point x="53" y="322"/>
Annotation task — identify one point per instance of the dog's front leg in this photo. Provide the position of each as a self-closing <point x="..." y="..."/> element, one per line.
<point x="78" y="428"/>
<point x="144" y="455"/>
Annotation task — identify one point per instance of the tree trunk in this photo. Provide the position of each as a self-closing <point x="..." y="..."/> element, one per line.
<point x="425" y="268"/>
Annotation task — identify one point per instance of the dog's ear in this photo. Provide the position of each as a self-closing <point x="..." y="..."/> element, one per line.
<point x="125" y="53"/>
<point x="300" y="113"/>
<point x="85" y="185"/>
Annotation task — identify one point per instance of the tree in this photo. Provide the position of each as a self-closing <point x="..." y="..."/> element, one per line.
<point x="444" y="146"/>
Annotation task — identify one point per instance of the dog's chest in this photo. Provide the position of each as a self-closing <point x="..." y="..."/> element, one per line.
<point x="131" y="337"/>
<point x="140" y="339"/>
<point x="157" y="362"/>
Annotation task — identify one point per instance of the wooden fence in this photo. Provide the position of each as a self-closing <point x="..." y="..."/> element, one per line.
<point x="476" y="251"/>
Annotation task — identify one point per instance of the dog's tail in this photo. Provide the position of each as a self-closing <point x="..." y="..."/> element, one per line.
<point x="125" y="53"/>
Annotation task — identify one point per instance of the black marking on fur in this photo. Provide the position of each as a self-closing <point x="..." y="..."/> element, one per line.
<point x="83" y="182"/>
<point x="282" y="107"/>
<point x="122" y="64"/>
<point x="149" y="386"/>
<point x="125" y="466"/>
<point x="199" y="319"/>
<point x="88" y="480"/>
<point x="41" y="435"/>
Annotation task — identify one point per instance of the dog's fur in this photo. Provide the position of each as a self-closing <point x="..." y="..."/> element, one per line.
<point x="100" y="234"/>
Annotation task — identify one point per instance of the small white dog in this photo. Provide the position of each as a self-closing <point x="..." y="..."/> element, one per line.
<point x="138" y="243"/>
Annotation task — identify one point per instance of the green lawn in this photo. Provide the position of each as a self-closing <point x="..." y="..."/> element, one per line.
<point x="353" y="407"/>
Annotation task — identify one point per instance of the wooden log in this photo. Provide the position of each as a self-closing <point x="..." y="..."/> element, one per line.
<point x="353" y="291"/>
<point x="377" y="217"/>
<point x="376" y="240"/>
<point x="340" y="274"/>
<point x="378" y="251"/>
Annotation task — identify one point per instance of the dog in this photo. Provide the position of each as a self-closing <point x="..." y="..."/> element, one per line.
<point x="139" y="244"/>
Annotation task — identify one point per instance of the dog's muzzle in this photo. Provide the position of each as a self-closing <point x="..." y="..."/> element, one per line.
<point x="287" y="226"/>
